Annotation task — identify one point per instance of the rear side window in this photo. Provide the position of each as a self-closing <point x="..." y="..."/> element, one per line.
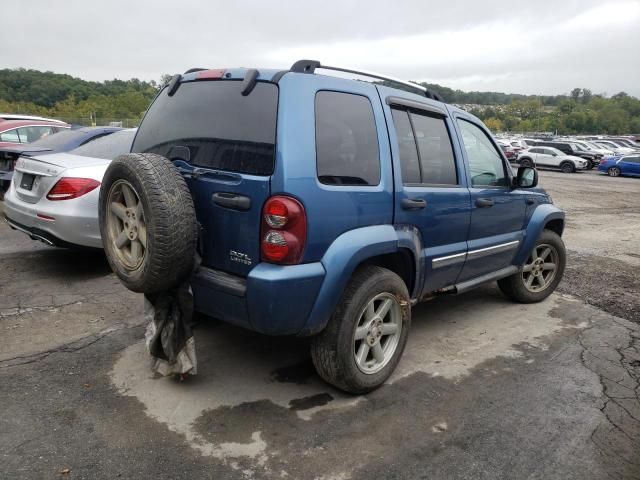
<point x="346" y="140"/>
<point x="426" y="154"/>
<point x="220" y="128"/>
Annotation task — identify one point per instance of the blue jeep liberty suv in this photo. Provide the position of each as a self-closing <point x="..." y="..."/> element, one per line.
<point x="324" y="206"/>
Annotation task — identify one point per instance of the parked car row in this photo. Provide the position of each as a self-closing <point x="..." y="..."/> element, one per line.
<point x="570" y="154"/>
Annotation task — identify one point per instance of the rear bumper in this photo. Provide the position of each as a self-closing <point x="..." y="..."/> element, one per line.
<point x="273" y="299"/>
<point x="75" y="222"/>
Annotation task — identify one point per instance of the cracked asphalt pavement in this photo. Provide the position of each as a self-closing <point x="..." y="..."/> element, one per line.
<point x="486" y="389"/>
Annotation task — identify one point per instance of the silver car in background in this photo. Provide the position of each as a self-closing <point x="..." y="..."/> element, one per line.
<point x="54" y="198"/>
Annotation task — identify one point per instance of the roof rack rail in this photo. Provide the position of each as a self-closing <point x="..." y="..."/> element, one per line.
<point x="309" y="66"/>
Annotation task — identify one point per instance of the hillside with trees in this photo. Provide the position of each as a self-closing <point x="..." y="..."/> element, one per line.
<point x="81" y="101"/>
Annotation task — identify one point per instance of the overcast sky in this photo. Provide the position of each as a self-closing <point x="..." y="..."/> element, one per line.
<point x="534" y="47"/>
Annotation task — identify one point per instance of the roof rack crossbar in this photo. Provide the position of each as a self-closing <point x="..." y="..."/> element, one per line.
<point x="309" y="66"/>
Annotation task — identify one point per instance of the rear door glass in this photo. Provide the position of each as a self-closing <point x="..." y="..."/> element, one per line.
<point x="220" y="128"/>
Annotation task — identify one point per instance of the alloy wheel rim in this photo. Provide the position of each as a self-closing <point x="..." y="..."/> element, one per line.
<point x="541" y="267"/>
<point x="377" y="333"/>
<point x="127" y="229"/>
<point x="613" y="172"/>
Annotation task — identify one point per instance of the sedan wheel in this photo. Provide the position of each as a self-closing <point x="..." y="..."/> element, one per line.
<point x="127" y="229"/>
<point x="614" y="172"/>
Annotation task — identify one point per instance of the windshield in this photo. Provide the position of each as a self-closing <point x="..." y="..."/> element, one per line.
<point x="220" y="128"/>
<point x="109" y="146"/>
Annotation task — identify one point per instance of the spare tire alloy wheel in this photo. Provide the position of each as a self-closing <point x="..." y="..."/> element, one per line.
<point x="377" y="333"/>
<point x="148" y="223"/>
<point x="541" y="267"/>
<point x="126" y="225"/>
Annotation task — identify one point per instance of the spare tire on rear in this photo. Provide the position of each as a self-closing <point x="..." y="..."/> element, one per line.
<point x="147" y="222"/>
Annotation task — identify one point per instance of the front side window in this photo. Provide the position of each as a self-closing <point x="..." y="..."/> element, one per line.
<point x="485" y="163"/>
<point x="631" y="159"/>
<point x="346" y="140"/>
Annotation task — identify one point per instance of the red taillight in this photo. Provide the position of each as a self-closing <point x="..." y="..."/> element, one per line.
<point x="284" y="230"/>
<point x="70" y="187"/>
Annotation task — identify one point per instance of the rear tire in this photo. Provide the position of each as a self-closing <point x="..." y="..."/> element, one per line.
<point x="590" y="164"/>
<point x="353" y="352"/>
<point x="147" y="222"/>
<point x="567" y="167"/>
<point x="614" y="172"/>
<point x="549" y="249"/>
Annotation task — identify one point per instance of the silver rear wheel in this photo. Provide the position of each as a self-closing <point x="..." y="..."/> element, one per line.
<point x="377" y="333"/>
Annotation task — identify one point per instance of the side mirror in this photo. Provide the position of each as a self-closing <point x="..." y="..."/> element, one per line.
<point x="527" y="178"/>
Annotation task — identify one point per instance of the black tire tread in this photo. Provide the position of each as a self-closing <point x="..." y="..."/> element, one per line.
<point x="324" y="346"/>
<point x="513" y="287"/>
<point x="170" y="217"/>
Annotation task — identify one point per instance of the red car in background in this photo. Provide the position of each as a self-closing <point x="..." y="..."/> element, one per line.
<point x="17" y="132"/>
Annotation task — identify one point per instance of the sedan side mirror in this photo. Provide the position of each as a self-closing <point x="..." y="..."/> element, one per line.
<point x="527" y="178"/>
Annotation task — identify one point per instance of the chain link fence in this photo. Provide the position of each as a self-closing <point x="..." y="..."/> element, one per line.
<point x="100" y="121"/>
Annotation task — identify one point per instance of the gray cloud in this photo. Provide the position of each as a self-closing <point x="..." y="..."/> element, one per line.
<point x="541" y="47"/>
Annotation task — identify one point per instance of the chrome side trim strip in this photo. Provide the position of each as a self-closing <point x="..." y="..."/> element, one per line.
<point x="448" y="260"/>
<point x="483" y="252"/>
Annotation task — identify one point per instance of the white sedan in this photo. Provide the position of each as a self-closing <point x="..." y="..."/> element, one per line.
<point x="551" y="157"/>
<point x="54" y="198"/>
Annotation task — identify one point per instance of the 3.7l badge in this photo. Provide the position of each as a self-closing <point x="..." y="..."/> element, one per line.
<point x="239" y="257"/>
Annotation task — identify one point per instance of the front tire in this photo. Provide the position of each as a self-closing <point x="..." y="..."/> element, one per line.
<point x="365" y="337"/>
<point x="567" y="167"/>
<point x="541" y="273"/>
<point x="614" y="172"/>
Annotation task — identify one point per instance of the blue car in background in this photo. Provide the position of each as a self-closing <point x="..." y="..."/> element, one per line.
<point x="622" y="165"/>
<point x="56" y="143"/>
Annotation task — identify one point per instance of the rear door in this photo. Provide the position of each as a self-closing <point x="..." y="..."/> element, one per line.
<point x="545" y="158"/>
<point x="498" y="211"/>
<point x="224" y="144"/>
<point x="630" y="165"/>
<point x="430" y="191"/>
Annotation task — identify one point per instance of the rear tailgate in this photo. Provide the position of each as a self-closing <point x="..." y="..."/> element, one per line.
<point x="224" y="144"/>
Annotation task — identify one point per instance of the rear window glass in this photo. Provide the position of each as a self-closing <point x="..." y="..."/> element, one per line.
<point x="346" y="140"/>
<point x="108" y="147"/>
<point x="57" y="140"/>
<point x="220" y="128"/>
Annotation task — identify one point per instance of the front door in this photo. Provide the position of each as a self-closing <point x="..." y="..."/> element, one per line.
<point x="430" y="192"/>
<point x="498" y="211"/>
